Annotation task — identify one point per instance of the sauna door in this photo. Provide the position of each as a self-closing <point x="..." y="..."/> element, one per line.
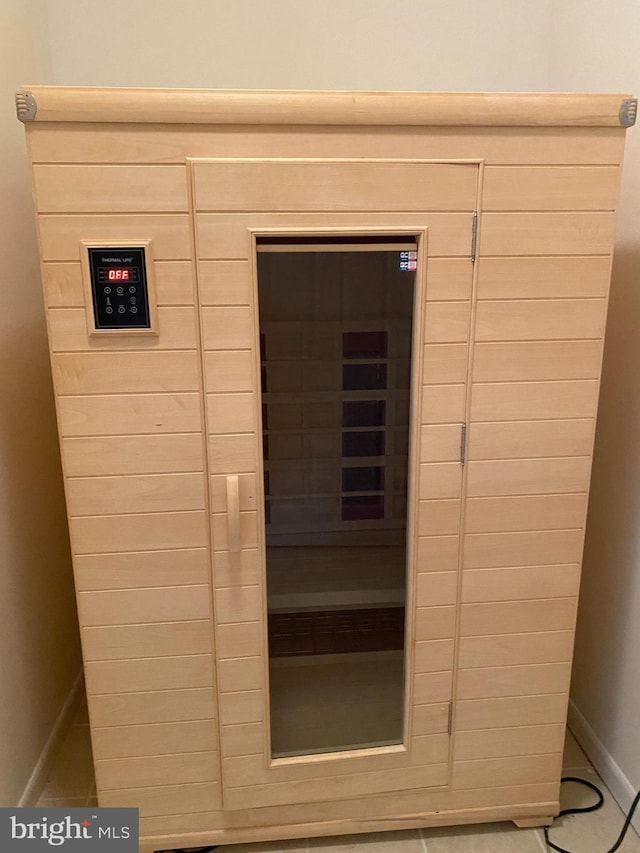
<point x="335" y="308"/>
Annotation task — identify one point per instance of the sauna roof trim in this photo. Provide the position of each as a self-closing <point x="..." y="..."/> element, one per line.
<point x="271" y="107"/>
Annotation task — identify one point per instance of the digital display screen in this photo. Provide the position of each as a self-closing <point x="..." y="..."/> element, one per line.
<point x="119" y="275"/>
<point x="109" y="274"/>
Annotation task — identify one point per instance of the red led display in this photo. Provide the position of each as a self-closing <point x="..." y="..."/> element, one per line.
<point x="119" y="275"/>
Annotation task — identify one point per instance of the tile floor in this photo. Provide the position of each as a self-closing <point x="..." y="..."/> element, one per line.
<point x="70" y="783"/>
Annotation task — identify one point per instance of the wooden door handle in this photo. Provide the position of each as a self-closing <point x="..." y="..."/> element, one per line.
<point x="233" y="513"/>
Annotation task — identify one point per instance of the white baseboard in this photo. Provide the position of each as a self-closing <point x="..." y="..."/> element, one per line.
<point x="38" y="777"/>
<point x="610" y="771"/>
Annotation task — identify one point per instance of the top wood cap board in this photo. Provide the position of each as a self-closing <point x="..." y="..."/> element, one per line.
<point x="212" y="106"/>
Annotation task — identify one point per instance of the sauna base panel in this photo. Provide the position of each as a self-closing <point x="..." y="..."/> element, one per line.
<point x="526" y="815"/>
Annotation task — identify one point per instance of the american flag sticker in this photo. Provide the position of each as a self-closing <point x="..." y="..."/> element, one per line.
<point x="408" y="261"/>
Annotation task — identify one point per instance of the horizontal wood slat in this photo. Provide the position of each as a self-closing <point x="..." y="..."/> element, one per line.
<point x="518" y="616"/>
<point x="60" y="235"/>
<point x="163" y="800"/>
<point x="233" y="454"/>
<point x="229" y="371"/>
<point x="506" y="712"/>
<point x="528" y="476"/>
<point x="431" y="687"/>
<point x="137" y="772"/>
<point x="133" y="454"/>
<point x="129" y="414"/>
<point x="122" y="373"/>
<point x="226" y="236"/>
<point x="129" y="494"/>
<point x="444" y="363"/>
<point x="438" y="517"/>
<point x="225" y="283"/>
<point x="163" y="639"/>
<point x="536" y="360"/>
<point x="436" y="588"/>
<point x="131" y="143"/>
<point x="501" y="743"/>
<point x="547" y="233"/>
<point x="126" y="607"/>
<point x="550" y="188"/>
<point x="242" y="739"/>
<point x="154" y="531"/>
<point x="181" y="824"/>
<point x="141" y="569"/>
<point x="361" y="784"/>
<point x="530" y="439"/>
<point x="509" y="401"/>
<point x="245" y="706"/>
<point x="442" y="404"/>
<point x="516" y="649"/>
<point x="510" y="681"/>
<point x="522" y="583"/>
<point x="433" y="656"/>
<point x="240" y="674"/>
<point x="438" y="553"/>
<point x="449" y="279"/>
<point x="519" y="770"/>
<point x="434" y="623"/>
<point x="333" y="186"/>
<point x="153" y="739"/>
<point x="227" y="327"/>
<point x="540" y="319"/>
<point x="149" y="674"/>
<point x="110" y="189"/>
<point x="525" y="512"/>
<point x="440" y="480"/>
<point x="447" y="322"/>
<point x="68" y="332"/>
<point x="543" y="278"/>
<point x="530" y="548"/>
<point x="231" y="413"/>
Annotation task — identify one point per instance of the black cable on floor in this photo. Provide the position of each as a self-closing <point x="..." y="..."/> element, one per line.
<point x="593" y="808"/>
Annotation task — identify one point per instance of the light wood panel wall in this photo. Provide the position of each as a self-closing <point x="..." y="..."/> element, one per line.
<point x="131" y="424"/>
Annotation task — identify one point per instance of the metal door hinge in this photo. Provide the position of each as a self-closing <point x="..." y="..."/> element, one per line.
<point x="628" y="112"/>
<point x="474" y="235"/>
<point x="450" y="719"/>
<point x="26" y="106"/>
<point x="463" y="443"/>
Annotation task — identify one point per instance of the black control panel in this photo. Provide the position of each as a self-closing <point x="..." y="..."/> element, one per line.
<point x="119" y="288"/>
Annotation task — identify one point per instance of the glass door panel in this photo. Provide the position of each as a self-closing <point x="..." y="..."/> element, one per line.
<point x="336" y="325"/>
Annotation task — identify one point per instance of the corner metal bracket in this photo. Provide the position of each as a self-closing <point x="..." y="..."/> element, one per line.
<point x="628" y="112"/>
<point x="26" y="106"/>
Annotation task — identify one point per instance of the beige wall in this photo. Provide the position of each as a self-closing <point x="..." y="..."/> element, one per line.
<point x="605" y="40"/>
<point x="304" y="44"/>
<point x="38" y="635"/>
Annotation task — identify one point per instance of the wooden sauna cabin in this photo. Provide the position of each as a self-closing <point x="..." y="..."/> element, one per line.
<point x="326" y="368"/>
